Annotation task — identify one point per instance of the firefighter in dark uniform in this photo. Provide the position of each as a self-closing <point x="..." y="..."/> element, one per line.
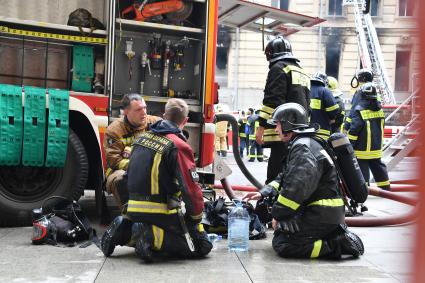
<point x="119" y="137"/>
<point x="286" y="82"/>
<point x="162" y="175"/>
<point x="324" y="109"/>
<point x="337" y="93"/>
<point x="308" y="215"/>
<point x="255" y="149"/>
<point x="366" y="135"/>
<point x="242" y="135"/>
<point x="363" y="76"/>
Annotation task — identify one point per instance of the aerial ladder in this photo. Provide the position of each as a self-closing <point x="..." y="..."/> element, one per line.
<point x="405" y="142"/>
<point x="370" y="49"/>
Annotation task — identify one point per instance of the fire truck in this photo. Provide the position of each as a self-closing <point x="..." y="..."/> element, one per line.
<point x="65" y="65"/>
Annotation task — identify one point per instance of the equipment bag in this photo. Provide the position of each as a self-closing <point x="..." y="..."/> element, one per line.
<point x="64" y="223"/>
<point x="216" y="214"/>
<point x="83" y="19"/>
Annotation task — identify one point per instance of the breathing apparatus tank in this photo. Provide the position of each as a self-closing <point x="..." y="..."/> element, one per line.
<point x="356" y="186"/>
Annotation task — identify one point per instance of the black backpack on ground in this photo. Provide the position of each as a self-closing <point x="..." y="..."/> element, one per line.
<point x="63" y="223"/>
<point x="216" y="214"/>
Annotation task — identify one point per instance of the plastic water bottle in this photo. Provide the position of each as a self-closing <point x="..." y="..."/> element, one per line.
<point x="238" y="228"/>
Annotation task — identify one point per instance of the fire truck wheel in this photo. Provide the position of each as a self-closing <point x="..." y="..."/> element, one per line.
<point x="24" y="188"/>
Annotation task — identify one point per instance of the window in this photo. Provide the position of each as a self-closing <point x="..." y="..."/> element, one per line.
<point x="222" y="58"/>
<point x="374" y="7"/>
<point x="406" y="8"/>
<point x="335" y="8"/>
<point x="402" y="70"/>
<point x="284" y="4"/>
<point x="333" y="54"/>
<point x="281" y="4"/>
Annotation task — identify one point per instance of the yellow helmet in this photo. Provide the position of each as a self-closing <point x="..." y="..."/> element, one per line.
<point x="332" y="83"/>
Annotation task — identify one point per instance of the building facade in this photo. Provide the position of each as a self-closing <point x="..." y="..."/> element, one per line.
<point x="331" y="46"/>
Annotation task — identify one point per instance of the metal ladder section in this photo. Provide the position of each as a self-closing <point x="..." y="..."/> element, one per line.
<point x="406" y="141"/>
<point x="370" y="50"/>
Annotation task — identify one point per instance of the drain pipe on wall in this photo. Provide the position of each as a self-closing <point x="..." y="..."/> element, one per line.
<point x="319" y="40"/>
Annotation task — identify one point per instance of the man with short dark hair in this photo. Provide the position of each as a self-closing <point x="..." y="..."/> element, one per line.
<point x="119" y="137"/>
<point x="308" y="215"/>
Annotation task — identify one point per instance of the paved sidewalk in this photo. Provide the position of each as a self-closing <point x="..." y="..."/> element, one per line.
<point x="387" y="259"/>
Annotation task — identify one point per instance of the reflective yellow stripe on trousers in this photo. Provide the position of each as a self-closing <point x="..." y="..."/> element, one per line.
<point x="316" y="249"/>
<point x="158" y="235"/>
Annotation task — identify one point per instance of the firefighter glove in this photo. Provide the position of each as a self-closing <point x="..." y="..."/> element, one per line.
<point x="289" y="226"/>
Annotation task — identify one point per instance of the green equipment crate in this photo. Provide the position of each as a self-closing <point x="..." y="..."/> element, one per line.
<point x="83" y="68"/>
<point x="10" y="125"/>
<point x="58" y="128"/>
<point x="34" y="126"/>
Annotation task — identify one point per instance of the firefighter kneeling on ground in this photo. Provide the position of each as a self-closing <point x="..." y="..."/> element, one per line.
<point x="162" y="175"/>
<point x="308" y="216"/>
<point x="119" y="137"/>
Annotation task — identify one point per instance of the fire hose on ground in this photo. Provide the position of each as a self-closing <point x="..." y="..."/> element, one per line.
<point x="351" y="221"/>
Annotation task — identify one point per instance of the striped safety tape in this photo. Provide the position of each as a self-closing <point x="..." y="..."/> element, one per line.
<point x="76" y="38"/>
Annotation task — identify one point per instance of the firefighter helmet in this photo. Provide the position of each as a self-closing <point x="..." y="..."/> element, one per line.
<point x="292" y="116"/>
<point x="364" y="75"/>
<point x="369" y="91"/>
<point x="278" y="48"/>
<point x="320" y="77"/>
<point x="332" y="83"/>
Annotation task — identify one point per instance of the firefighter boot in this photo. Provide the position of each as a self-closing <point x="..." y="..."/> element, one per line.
<point x="118" y="233"/>
<point x="224" y="153"/>
<point x="350" y="244"/>
<point x="144" y="243"/>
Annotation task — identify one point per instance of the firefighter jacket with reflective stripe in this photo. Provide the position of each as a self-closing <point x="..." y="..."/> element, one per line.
<point x="286" y="82"/>
<point x="161" y="174"/>
<point x="367" y="130"/>
<point x="323" y="109"/>
<point x="221" y="129"/>
<point x="357" y="98"/>
<point x="119" y="137"/>
<point x="241" y="127"/>
<point x="307" y="186"/>
<point x="253" y="122"/>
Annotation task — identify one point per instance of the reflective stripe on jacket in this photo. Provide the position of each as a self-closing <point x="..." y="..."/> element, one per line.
<point x="241" y="127"/>
<point x="307" y="186"/>
<point x="253" y="123"/>
<point x="162" y="172"/>
<point x="286" y="82"/>
<point x="119" y="137"/>
<point x="367" y="130"/>
<point x="323" y="109"/>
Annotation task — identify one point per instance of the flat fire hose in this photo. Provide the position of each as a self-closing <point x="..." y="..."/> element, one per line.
<point x="10" y="125"/>
<point x="185" y="230"/>
<point x="58" y="128"/>
<point x="34" y="126"/>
